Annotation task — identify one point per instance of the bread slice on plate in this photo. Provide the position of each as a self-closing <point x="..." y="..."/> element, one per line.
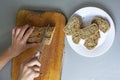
<point x="92" y="41"/>
<point x="88" y="31"/>
<point x="76" y="38"/>
<point x="102" y="23"/>
<point x="73" y="25"/>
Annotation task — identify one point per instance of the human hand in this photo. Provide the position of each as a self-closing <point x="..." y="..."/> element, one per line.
<point x="19" y="40"/>
<point x="30" y="69"/>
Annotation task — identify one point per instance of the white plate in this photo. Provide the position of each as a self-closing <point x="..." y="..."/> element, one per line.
<point x="105" y="42"/>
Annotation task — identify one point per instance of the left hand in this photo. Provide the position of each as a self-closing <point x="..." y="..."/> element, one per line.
<point x="19" y="40"/>
<point x="19" y="44"/>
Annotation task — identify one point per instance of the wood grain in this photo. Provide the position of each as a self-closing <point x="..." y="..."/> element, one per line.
<point x="51" y="58"/>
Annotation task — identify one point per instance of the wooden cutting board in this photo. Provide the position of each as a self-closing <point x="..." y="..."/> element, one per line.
<point x="51" y="58"/>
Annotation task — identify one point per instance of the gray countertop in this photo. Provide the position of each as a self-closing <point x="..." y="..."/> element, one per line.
<point x="75" y="67"/>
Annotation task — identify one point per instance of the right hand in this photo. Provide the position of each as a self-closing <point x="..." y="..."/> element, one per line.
<point x="30" y="69"/>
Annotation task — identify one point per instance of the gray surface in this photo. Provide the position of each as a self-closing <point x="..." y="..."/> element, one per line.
<point x="75" y="67"/>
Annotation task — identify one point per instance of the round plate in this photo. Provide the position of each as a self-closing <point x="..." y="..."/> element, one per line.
<point x="105" y="42"/>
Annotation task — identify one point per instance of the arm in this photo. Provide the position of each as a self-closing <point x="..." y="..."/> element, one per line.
<point x="4" y="58"/>
<point x="19" y="39"/>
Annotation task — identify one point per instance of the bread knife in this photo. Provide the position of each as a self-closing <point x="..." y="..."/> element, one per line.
<point x="43" y="42"/>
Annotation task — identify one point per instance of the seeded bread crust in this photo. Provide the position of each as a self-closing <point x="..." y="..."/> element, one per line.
<point x="102" y="23"/>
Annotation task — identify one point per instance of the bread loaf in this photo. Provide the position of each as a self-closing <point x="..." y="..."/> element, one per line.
<point x="38" y="34"/>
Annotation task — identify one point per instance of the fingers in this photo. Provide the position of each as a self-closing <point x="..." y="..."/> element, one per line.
<point x="23" y="29"/>
<point x="36" y="74"/>
<point x="20" y="32"/>
<point x="27" y="34"/>
<point x="36" y="68"/>
<point x="33" y="68"/>
<point x="30" y="72"/>
<point x="13" y="33"/>
<point x="32" y="45"/>
<point x="33" y="62"/>
<point x="30" y="69"/>
<point x="17" y="31"/>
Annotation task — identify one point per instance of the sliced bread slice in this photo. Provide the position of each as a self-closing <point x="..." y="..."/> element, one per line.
<point x="92" y="41"/>
<point x="102" y="23"/>
<point x="76" y="38"/>
<point x="88" y="31"/>
<point x="73" y="24"/>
